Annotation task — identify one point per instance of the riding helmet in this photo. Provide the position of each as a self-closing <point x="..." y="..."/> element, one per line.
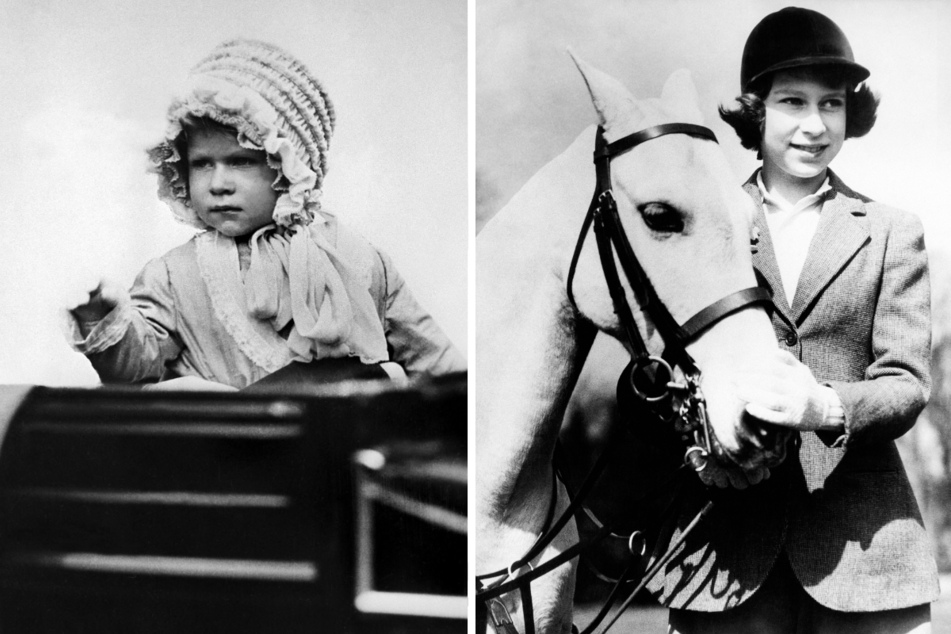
<point x="795" y="37"/>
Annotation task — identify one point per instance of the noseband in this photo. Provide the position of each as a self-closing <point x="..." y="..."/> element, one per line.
<point x="647" y="386"/>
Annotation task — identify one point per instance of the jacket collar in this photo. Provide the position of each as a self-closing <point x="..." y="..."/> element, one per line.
<point x="842" y="231"/>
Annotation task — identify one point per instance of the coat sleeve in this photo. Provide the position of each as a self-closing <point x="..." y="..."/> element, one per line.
<point x="413" y="337"/>
<point x="133" y="343"/>
<point x="898" y="381"/>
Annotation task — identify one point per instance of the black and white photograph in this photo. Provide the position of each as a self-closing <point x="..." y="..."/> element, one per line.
<point x="712" y="317"/>
<point x="484" y="316"/>
<point x="234" y="316"/>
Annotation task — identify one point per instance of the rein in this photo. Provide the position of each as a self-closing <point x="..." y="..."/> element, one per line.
<point x="647" y="383"/>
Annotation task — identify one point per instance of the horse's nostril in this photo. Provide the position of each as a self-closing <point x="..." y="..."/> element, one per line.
<point x="770" y="440"/>
<point x="760" y="428"/>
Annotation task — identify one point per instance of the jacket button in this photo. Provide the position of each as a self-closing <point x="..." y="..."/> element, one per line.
<point x="791" y="339"/>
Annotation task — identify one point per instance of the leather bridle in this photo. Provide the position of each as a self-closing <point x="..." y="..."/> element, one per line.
<point x="648" y="381"/>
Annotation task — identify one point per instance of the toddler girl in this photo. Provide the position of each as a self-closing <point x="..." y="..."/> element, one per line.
<point x="271" y="278"/>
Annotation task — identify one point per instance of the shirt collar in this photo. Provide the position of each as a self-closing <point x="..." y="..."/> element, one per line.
<point x="805" y="202"/>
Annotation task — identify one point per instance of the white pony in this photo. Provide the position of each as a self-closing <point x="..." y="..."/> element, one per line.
<point x="690" y="224"/>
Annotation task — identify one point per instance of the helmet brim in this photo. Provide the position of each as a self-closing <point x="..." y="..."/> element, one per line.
<point x="856" y="73"/>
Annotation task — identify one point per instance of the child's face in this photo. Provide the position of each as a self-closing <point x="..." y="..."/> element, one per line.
<point x="805" y="125"/>
<point x="229" y="186"/>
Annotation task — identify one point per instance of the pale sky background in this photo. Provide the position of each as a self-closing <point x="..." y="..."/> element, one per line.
<point x="531" y="102"/>
<point x="85" y="86"/>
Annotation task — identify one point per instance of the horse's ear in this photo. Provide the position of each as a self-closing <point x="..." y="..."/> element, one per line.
<point x="612" y="101"/>
<point x="680" y="95"/>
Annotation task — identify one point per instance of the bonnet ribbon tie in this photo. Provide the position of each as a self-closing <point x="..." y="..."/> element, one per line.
<point x="301" y="277"/>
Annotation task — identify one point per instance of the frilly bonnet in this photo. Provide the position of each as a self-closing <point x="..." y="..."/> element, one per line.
<point x="275" y="105"/>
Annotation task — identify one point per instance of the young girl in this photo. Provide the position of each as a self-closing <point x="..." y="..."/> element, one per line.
<point x="834" y="541"/>
<point x="272" y="278"/>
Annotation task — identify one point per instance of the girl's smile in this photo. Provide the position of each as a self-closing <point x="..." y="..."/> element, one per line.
<point x="810" y="149"/>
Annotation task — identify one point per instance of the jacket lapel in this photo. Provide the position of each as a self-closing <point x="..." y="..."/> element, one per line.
<point x="842" y="231"/>
<point x="840" y="234"/>
<point x="765" y="257"/>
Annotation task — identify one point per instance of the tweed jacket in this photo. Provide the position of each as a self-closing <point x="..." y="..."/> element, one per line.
<point x="840" y="508"/>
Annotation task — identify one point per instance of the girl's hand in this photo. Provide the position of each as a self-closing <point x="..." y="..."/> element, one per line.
<point x="782" y="391"/>
<point x="100" y="302"/>
<point x="190" y="383"/>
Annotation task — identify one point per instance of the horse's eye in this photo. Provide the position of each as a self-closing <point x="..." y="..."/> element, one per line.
<point x="661" y="217"/>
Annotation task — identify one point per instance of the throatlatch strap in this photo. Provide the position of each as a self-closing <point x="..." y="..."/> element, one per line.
<point x="585" y="227"/>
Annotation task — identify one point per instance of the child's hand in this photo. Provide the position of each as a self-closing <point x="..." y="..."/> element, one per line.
<point x="99" y="302"/>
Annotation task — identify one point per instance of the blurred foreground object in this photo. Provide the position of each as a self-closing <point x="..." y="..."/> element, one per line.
<point x="330" y="508"/>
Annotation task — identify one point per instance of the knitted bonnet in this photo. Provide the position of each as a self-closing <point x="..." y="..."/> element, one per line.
<point x="275" y="105"/>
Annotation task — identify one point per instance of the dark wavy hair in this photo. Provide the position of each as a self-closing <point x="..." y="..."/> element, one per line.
<point x="749" y="113"/>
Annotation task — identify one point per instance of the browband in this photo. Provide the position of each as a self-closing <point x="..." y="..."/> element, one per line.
<point x="628" y="142"/>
